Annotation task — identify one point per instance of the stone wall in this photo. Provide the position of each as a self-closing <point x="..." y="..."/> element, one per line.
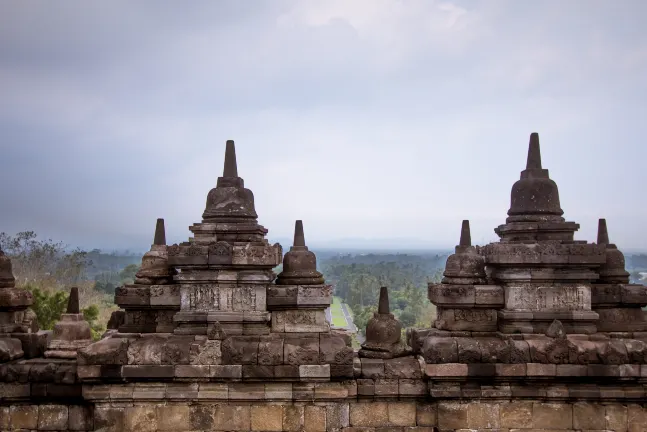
<point x="329" y="416"/>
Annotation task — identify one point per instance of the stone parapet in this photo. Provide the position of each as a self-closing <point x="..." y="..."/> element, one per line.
<point x="195" y="255"/>
<point x="550" y="253"/>
<point x="280" y="297"/>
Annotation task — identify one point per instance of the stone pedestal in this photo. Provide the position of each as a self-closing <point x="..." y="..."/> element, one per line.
<point x="618" y="303"/>
<point x="14" y="319"/>
<point x="463" y="299"/>
<point x="152" y="301"/>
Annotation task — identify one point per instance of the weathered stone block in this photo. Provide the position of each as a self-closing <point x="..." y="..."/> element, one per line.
<point x="426" y="414"/>
<point x="299" y="321"/>
<point x="440" y="350"/>
<point x="278" y="391"/>
<point x="337" y="416"/>
<point x="228" y="372"/>
<point x="588" y="416"/>
<point x="369" y="414"/>
<point x="24" y="416"/>
<point x="552" y="416"/>
<point x="386" y="387"/>
<point x="314" y="372"/>
<point x="140" y="418"/>
<point x="301" y="350"/>
<point x="172" y="417"/>
<point x="205" y="353"/>
<point x="403" y="367"/>
<point x="52" y="417"/>
<point x="105" y="351"/>
<point x="266" y="418"/>
<point x="233" y="417"/>
<point x="483" y="415"/>
<point x="372" y="368"/>
<point x="402" y="413"/>
<point x="615" y="417"/>
<point x="270" y="352"/>
<point x="314" y="418"/>
<point x="452" y="415"/>
<point x="80" y="418"/>
<point x="246" y="391"/>
<point x="334" y="350"/>
<point x="110" y="418"/>
<point x="293" y="418"/>
<point x="146" y="350"/>
<point x="201" y="417"/>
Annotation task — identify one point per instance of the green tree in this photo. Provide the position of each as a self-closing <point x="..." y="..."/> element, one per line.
<point x="47" y="306"/>
<point x="91" y="315"/>
<point x="127" y="275"/>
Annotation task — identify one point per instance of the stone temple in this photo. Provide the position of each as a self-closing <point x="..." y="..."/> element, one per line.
<point x="535" y="332"/>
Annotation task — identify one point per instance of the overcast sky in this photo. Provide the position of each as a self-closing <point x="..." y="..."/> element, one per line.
<point x="377" y="122"/>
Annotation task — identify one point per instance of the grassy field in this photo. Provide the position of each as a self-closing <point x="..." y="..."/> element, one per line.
<point x="338" y="318"/>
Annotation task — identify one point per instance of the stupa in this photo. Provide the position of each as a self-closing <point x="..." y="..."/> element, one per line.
<point x="225" y="270"/>
<point x="546" y="274"/>
<point x="151" y="301"/>
<point x="71" y="333"/>
<point x="13" y="305"/>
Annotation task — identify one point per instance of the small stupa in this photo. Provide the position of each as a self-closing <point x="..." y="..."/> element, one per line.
<point x="71" y="332"/>
<point x="383" y="333"/>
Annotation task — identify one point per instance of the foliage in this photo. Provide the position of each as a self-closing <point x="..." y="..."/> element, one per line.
<point x="357" y="280"/>
<point x="47" y="269"/>
<point x="91" y="315"/>
<point x="127" y="275"/>
<point x="43" y="263"/>
<point x="48" y="306"/>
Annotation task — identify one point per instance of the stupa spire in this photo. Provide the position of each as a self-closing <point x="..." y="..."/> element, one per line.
<point x="603" y="234"/>
<point x="466" y="237"/>
<point x="230" y="169"/>
<point x="299" y="237"/>
<point x="534" y="153"/>
<point x="73" y="301"/>
<point x="383" y="305"/>
<point x="160" y="233"/>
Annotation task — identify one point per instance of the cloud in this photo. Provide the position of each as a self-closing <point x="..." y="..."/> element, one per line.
<point x="381" y="119"/>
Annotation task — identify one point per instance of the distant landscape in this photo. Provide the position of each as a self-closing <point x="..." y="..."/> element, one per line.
<point x="48" y="269"/>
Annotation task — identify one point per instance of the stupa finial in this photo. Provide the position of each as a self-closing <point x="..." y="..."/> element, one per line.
<point x="534" y="153"/>
<point x="160" y="233"/>
<point x="383" y="305"/>
<point x="231" y="169"/>
<point x="299" y="236"/>
<point x="603" y="234"/>
<point x="73" y="301"/>
<point x="466" y="237"/>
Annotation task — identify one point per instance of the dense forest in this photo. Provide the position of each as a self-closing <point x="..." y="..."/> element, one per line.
<point x="48" y="269"/>
<point x="357" y="280"/>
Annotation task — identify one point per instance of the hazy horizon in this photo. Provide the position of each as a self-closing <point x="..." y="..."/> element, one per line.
<point x="379" y="123"/>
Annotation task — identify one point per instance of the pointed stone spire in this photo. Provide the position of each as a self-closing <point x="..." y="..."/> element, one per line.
<point x="160" y="233"/>
<point x="534" y="154"/>
<point x="603" y="235"/>
<point x="299" y="264"/>
<point x="383" y="305"/>
<point x="466" y="237"/>
<point x="230" y="201"/>
<point x="231" y="168"/>
<point x="73" y="301"/>
<point x="299" y="237"/>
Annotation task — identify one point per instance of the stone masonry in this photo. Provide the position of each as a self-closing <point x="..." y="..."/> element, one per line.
<point x="536" y="332"/>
